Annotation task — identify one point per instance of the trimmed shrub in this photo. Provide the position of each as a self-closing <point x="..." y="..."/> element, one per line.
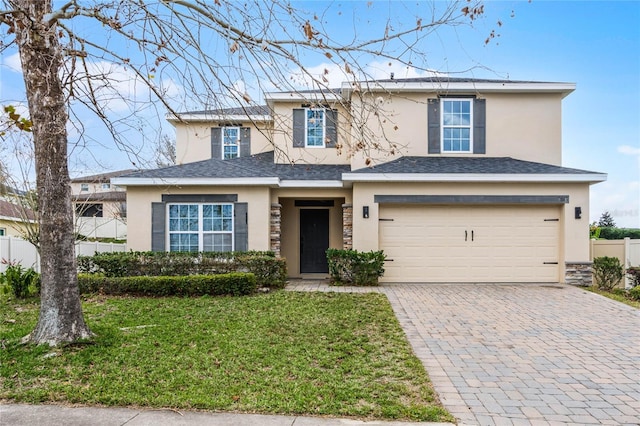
<point x="233" y="284"/>
<point x="21" y="282"/>
<point x="269" y="270"/>
<point x="350" y="267"/>
<point x="607" y="272"/>
<point x="634" y="293"/>
<point x="634" y="276"/>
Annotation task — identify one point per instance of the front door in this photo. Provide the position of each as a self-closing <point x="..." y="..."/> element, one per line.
<point x="314" y="240"/>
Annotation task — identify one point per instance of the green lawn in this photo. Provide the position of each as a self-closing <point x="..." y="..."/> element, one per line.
<point x="330" y="354"/>
<point x="616" y="294"/>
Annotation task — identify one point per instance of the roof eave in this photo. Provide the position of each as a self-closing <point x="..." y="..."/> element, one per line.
<point x="474" y="177"/>
<point x="203" y="118"/>
<point x="461" y="87"/>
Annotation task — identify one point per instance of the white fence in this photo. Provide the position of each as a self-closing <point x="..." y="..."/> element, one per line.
<point x="627" y="250"/>
<point x="101" y="227"/>
<point x="16" y="249"/>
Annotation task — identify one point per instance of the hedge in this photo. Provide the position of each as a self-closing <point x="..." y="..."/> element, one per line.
<point x="233" y="284"/>
<point x="269" y="270"/>
<point x="355" y="268"/>
<point x="607" y="233"/>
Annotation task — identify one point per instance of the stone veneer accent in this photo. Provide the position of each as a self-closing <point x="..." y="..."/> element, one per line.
<point x="275" y="228"/>
<point x="347" y="226"/>
<point x="578" y="273"/>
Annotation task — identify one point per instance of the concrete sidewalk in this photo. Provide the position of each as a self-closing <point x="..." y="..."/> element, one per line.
<point x="54" y="415"/>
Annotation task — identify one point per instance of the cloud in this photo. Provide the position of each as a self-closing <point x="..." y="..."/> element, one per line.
<point x="628" y="150"/>
<point x="621" y="199"/>
<point x="12" y="63"/>
<point x="383" y="70"/>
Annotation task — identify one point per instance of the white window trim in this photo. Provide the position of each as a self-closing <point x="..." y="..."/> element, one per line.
<point x="106" y="186"/>
<point x="200" y="230"/>
<point x="324" y="127"/>
<point x="470" y="127"/>
<point x="223" y="144"/>
<point x="84" y="187"/>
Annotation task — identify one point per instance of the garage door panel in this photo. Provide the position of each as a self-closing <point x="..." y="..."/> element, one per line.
<point x="470" y="243"/>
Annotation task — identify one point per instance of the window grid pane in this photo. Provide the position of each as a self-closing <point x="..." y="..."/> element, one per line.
<point x="315" y="127"/>
<point x="230" y="142"/>
<point x="195" y="227"/>
<point x="456" y="125"/>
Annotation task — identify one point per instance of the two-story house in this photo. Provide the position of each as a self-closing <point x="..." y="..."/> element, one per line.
<point x="457" y="180"/>
<point x="100" y="208"/>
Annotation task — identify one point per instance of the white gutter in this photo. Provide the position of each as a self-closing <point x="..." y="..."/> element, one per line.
<point x="195" y="118"/>
<point x="471" y="177"/>
<point x="132" y="181"/>
<point x="444" y="87"/>
<point x="311" y="184"/>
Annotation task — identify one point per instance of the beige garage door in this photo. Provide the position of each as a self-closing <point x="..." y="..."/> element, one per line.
<point x="470" y="243"/>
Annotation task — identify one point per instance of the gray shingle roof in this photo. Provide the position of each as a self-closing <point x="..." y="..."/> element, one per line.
<point x="259" y="165"/>
<point x="445" y="79"/>
<point x="249" y="110"/>
<point x="482" y="165"/>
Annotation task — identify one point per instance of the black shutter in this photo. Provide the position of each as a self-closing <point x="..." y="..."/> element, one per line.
<point x="479" y="126"/>
<point x="298" y="127"/>
<point x="245" y="141"/>
<point x="433" y="118"/>
<point x="241" y="226"/>
<point x="158" y="225"/>
<point x="216" y="143"/>
<point x="331" y="128"/>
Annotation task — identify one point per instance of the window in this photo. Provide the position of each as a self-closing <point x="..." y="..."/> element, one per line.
<point x="457" y="119"/>
<point x="3" y="232"/>
<point x="84" y="187"/>
<point x="106" y="186"/>
<point x="201" y="227"/>
<point x="230" y="142"/>
<point x="315" y="127"/>
<point x="89" y="210"/>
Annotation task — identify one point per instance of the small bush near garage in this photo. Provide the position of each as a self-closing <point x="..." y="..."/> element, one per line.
<point x="634" y="293"/>
<point x="233" y="284"/>
<point x="634" y="276"/>
<point x="607" y="272"/>
<point x="268" y="270"/>
<point x="350" y="267"/>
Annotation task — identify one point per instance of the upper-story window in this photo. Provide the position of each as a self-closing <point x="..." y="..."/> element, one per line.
<point x="84" y="187"/>
<point x="457" y="119"/>
<point x="456" y="125"/>
<point x="106" y="186"/>
<point x="230" y="142"/>
<point x="3" y="232"/>
<point x="315" y="127"/>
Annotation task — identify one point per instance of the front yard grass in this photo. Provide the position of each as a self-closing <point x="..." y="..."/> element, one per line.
<point x="615" y="295"/>
<point x="330" y="354"/>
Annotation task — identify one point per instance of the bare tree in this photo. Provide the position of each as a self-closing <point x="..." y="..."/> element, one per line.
<point x="220" y="53"/>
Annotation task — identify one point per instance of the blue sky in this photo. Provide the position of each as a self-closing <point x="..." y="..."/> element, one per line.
<point x="595" y="44"/>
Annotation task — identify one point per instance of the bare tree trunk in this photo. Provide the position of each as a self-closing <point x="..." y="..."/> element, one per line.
<point x="61" y="319"/>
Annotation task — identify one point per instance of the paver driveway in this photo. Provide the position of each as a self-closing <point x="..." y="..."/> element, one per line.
<point x="522" y="354"/>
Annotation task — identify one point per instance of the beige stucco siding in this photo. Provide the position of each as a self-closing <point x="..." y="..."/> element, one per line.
<point x="574" y="233"/>
<point x="139" y="201"/>
<point x="522" y="126"/>
<point x="193" y="140"/>
<point x="12" y="228"/>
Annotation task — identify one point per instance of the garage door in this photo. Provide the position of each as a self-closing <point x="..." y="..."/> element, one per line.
<point x="470" y="243"/>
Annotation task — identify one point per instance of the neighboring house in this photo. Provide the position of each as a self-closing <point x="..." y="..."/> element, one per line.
<point x="14" y="218"/>
<point x="457" y="180"/>
<point x="99" y="206"/>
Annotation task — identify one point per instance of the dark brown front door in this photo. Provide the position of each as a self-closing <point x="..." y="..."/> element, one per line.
<point x="314" y="240"/>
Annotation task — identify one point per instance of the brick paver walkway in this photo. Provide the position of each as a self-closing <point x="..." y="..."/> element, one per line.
<point x="527" y="354"/>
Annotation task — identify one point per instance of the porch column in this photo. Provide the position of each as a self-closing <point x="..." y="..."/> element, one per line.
<point x="275" y="228"/>
<point x="347" y="226"/>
